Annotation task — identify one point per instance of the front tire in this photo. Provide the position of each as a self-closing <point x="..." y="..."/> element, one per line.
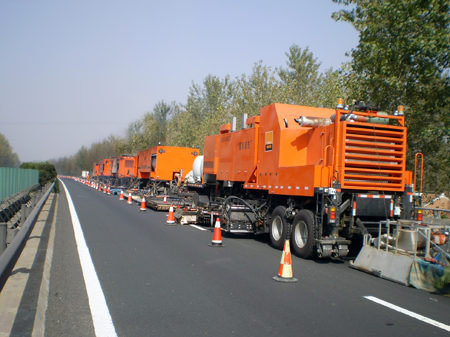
<point x="279" y="227"/>
<point x="303" y="236"/>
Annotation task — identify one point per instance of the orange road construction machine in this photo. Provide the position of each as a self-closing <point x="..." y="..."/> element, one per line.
<point x="315" y="176"/>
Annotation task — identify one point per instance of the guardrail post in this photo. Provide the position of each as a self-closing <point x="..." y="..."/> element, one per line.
<point x="3" y="234"/>
<point x="427" y="245"/>
<point x="23" y="213"/>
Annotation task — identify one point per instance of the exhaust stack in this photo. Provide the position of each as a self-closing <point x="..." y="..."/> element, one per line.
<point x="233" y="124"/>
<point x="244" y="121"/>
<point x="313" y="122"/>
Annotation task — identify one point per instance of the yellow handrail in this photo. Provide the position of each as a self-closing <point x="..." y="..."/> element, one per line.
<point x="415" y="170"/>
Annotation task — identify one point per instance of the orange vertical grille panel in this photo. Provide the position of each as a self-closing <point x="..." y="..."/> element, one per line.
<point x="373" y="157"/>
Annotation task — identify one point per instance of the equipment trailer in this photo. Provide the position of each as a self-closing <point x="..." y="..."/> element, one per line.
<point x="316" y="175"/>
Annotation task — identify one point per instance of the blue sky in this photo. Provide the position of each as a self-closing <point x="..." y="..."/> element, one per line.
<point x="74" y="72"/>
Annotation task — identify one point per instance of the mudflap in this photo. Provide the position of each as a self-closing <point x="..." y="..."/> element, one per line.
<point x="332" y="247"/>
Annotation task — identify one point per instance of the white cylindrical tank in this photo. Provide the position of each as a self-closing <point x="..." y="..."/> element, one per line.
<point x="197" y="168"/>
<point x="189" y="178"/>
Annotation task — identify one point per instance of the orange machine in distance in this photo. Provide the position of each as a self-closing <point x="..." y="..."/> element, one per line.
<point x="163" y="162"/>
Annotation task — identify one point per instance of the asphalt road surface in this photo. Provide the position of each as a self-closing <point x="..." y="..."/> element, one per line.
<point x="161" y="280"/>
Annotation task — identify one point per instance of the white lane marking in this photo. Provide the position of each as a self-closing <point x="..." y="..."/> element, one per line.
<point x="409" y="313"/>
<point x="101" y="317"/>
<point x="198" y="227"/>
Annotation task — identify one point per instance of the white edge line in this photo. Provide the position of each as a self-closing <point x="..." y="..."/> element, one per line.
<point x="101" y="317"/>
<point x="198" y="227"/>
<point x="409" y="313"/>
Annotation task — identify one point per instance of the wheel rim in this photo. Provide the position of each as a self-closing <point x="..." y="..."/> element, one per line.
<point x="277" y="228"/>
<point x="301" y="234"/>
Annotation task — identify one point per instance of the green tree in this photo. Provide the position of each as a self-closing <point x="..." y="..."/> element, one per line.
<point x="81" y="159"/>
<point x="215" y="103"/>
<point x="156" y="123"/>
<point x="47" y="171"/>
<point x="301" y="79"/>
<point x="207" y="108"/>
<point x="8" y="158"/>
<point x="134" y="137"/>
<point x="85" y="158"/>
<point x="65" y="166"/>
<point x="261" y="88"/>
<point x="403" y="59"/>
<point x="331" y="88"/>
<point x="179" y="130"/>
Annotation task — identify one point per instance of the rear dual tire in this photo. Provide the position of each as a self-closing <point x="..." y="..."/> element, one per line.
<point x="304" y="231"/>
<point x="279" y="227"/>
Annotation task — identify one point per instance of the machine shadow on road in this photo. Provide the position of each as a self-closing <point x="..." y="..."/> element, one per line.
<point x="354" y="247"/>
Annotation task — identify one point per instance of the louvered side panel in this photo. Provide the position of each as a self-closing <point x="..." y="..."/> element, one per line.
<point x="373" y="157"/>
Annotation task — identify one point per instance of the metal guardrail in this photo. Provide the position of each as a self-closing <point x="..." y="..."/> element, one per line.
<point x="9" y="257"/>
<point x="436" y="211"/>
<point x="10" y="206"/>
<point x="391" y="255"/>
<point x="413" y="231"/>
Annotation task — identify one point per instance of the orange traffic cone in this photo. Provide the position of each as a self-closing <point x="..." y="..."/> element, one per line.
<point x="171" y="217"/>
<point x="217" y="236"/>
<point x="165" y="199"/>
<point x="143" y="205"/>
<point x="130" y="199"/>
<point x="121" y="195"/>
<point x="285" y="270"/>
<point x="104" y="189"/>
<point x="109" y="190"/>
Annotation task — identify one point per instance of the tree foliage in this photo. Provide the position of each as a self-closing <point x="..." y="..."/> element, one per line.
<point x="206" y="109"/>
<point x="8" y="158"/>
<point x="261" y="88"/>
<point x="85" y="158"/>
<point x="403" y="59"/>
<point x="155" y="124"/>
<point x="301" y="79"/>
<point x="47" y="171"/>
<point x="211" y="104"/>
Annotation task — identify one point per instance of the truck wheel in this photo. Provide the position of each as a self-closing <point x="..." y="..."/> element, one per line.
<point x="303" y="234"/>
<point x="279" y="227"/>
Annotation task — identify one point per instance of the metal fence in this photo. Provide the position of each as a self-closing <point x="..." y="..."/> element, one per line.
<point x="14" y="180"/>
<point x="10" y="207"/>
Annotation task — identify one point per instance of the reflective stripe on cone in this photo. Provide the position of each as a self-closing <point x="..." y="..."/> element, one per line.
<point x="285" y="270"/>
<point x="217" y="236"/>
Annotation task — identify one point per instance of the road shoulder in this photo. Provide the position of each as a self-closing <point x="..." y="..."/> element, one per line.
<point x="18" y="298"/>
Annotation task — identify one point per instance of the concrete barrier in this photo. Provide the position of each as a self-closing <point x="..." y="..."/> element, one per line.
<point x="387" y="265"/>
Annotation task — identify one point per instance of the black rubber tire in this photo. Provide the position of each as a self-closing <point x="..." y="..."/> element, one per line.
<point x="303" y="234"/>
<point x="279" y="227"/>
